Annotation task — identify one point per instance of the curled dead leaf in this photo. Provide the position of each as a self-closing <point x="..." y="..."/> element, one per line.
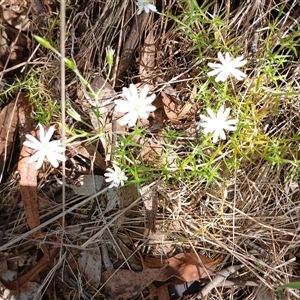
<point x="184" y="266"/>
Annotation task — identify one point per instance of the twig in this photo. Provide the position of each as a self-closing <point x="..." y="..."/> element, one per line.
<point x="222" y="275"/>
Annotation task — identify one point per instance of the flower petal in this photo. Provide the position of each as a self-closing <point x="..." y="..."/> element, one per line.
<point x="211" y="114"/>
<point x="144" y="92"/>
<point x="222" y="76"/>
<point x="227" y="58"/>
<point x="221" y="58"/>
<point x="215" y="66"/>
<point x="40" y="161"/>
<point x="57" y="156"/>
<point x="214" y="72"/>
<point x="232" y="122"/>
<point x="55" y="148"/>
<point x="152" y="7"/>
<point x="53" y="161"/>
<point x="133" y="91"/>
<point x="223" y="113"/>
<point x="34" y="146"/>
<point x="215" y="136"/>
<point x="48" y="135"/>
<point x="133" y="120"/>
<point x="150" y="99"/>
<point x="41" y="133"/>
<point x="229" y="128"/>
<point x="35" y="157"/>
<point x="122" y="106"/>
<point x="125" y="119"/>
<point x="239" y="75"/>
<point x="36" y="142"/>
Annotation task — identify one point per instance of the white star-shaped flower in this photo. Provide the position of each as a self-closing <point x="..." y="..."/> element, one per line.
<point x="145" y="5"/>
<point x="44" y="148"/>
<point x="217" y="123"/>
<point x="227" y="67"/>
<point x="135" y="106"/>
<point x="115" y="176"/>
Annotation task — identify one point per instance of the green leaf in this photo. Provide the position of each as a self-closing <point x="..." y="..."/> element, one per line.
<point x="42" y="41"/>
<point x="292" y="285"/>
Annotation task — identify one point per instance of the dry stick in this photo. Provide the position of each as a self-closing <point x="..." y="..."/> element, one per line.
<point x="63" y="106"/>
<point x="217" y="280"/>
<point x="21" y="65"/>
<point x="237" y="282"/>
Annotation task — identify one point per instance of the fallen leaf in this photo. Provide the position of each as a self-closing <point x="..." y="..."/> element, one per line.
<point x="14" y="45"/>
<point x="28" y="173"/>
<point x="42" y="263"/>
<point x="163" y="292"/>
<point x="8" y="124"/>
<point x="170" y="108"/>
<point x="150" y="199"/>
<point x="26" y="124"/>
<point x="89" y="263"/>
<point x="152" y="150"/>
<point x="184" y="266"/>
<point x="125" y="284"/>
<point x="131" y="43"/>
<point x="89" y="185"/>
<point x="147" y="60"/>
<point x="27" y="292"/>
<point x="89" y="152"/>
<point x="189" y="108"/>
<point x="167" y="88"/>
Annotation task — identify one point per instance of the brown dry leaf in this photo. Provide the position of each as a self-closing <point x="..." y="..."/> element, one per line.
<point x="88" y="151"/>
<point x="150" y="198"/>
<point x="26" y="124"/>
<point x="125" y="284"/>
<point x="15" y="16"/>
<point x="28" y="173"/>
<point x="163" y="292"/>
<point x="28" y="185"/>
<point x="28" y="292"/>
<point x="189" y="108"/>
<point x="184" y="266"/>
<point x="151" y="151"/>
<point x="42" y="263"/>
<point x="170" y="108"/>
<point x="89" y="263"/>
<point x="167" y="88"/>
<point x="132" y="41"/>
<point x="8" y="124"/>
<point x="132" y="258"/>
<point x="147" y="62"/>
<point x="14" y="48"/>
<point x="88" y="185"/>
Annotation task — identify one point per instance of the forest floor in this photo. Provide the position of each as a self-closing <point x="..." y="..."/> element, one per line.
<point x="198" y="217"/>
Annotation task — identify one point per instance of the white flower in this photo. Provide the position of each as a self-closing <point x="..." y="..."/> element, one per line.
<point x="216" y="123"/>
<point x="115" y="176"/>
<point x="227" y="67"/>
<point x="45" y="149"/>
<point x="136" y="106"/>
<point x="145" y="5"/>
